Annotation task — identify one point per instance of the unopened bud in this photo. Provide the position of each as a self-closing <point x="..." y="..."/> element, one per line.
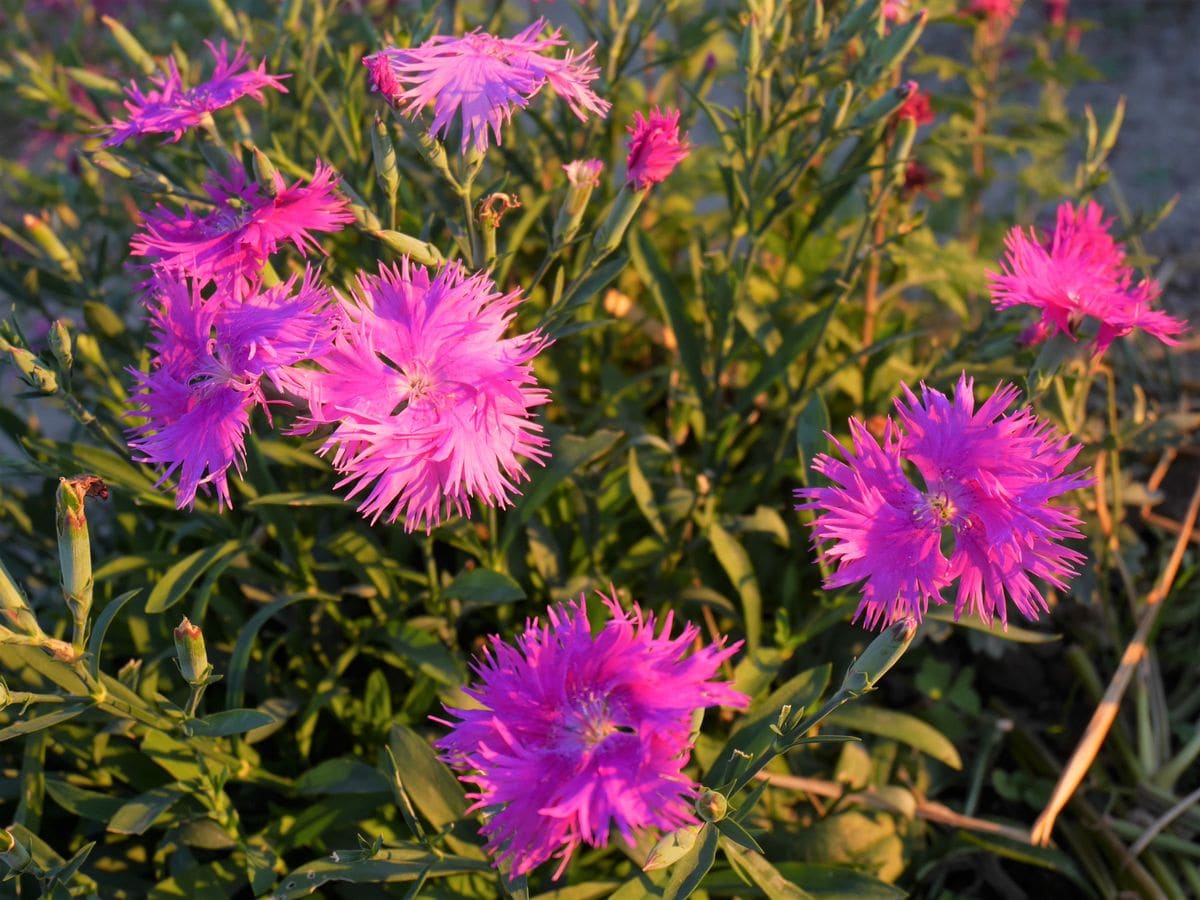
<point x="416" y="249"/>
<point x="583" y="176"/>
<point x="33" y="373"/>
<point x="15" y="612"/>
<point x="60" y="344"/>
<point x="711" y="806"/>
<point x="265" y="173"/>
<point x="671" y="848"/>
<point x="384" y="152"/>
<point x="884" y="106"/>
<point x="881" y="654"/>
<point x="74" y="548"/>
<point x="129" y="45"/>
<point x="191" y="653"/>
<point x="41" y="232"/>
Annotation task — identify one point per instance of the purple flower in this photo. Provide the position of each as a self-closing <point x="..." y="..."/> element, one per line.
<point x="580" y="732"/>
<point x="432" y="404"/>
<point x="245" y="226"/>
<point x="655" y="148"/>
<point x="988" y="479"/>
<point x="483" y="78"/>
<point x="206" y="378"/>
<point x="171" y="108"/>
<point x="1078" y="273"/>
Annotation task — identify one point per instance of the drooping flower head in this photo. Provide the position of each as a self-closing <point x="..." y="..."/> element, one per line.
<point x="484" y="79"/>
<point x="170" y="108"/>
<point x="581" y="732"/>
<point x="432" y="404"/>
<point x="655" y="148"/>
<point x="1079" y="273"/>
<point x="206" y="377"/>
<point x="988" y="479"/>
<point x="245" y="226"/>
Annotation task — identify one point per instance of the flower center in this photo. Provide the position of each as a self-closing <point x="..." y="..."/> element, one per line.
<point x="589" y="721"/>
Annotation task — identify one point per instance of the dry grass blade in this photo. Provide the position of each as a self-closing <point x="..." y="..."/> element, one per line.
<point x="1097" y="729"/>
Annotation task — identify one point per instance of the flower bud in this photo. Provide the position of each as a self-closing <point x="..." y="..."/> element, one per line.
<point x="191" y="653"/>
<point x="583" y="176"/>
<point x="711" y="806"/>
<point x="33" y="373"/>
<point x="265" y="173"/>
<point x="671" y="848"/>
<point x="882" y="653"/>
<point x="39" y="229"/>
<point x="129" y="45"/>
<point x="417" y="250"/>
<point x="883" y="107"/>
<point x="14" y="608"/>
<point x="74" y="548"/>
<point x="384" y="153"/>
<point x="60" y="344"/>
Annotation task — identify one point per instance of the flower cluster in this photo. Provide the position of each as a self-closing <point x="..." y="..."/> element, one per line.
<point x="989" y="477"/>
<point x="170" y="108"/>
<point x="1077" y="274"/>
<point x="431" y="403"/>
<point x="483" y="78"/>
<point x="577" y="733"/>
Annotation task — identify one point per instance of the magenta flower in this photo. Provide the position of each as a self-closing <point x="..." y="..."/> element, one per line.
<point x="246" y="225"/>
<point x="993" y="10"/>
<point x="431" y="403"/>
<point x="579" y="732"/>
<point x="988" y="479"/>
<point x="171" y="108"/>
<point x="483" y="78"/>
<point x="1079" y="273"/>
<point x="206" y="378"/>
<point x="917" y="107"/>
<point x="655" y="148"/>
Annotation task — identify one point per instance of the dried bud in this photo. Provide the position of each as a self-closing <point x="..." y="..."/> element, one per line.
<point x="191" y="653"/>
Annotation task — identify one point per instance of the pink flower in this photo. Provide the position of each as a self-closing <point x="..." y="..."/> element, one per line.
<point x="483" y="78"/>
<point x="917" y="107"/>
<point x="994" y="10"/>
<point x="211" y="356"/>
<point x="1056" y="11"/>
<point x="1079" y="273"/>
<point x="584" y="172"/>
<point x="431" y="403"/>
<point x="579" y="732"/>
<point x="655" y="148"/>
<point x="896" y="10"/>
<point x="246" y="225"/>
<point x="169" y="107"/>
<point x="988" y="479"/>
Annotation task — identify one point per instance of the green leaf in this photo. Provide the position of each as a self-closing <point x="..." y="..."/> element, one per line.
<point x="100" y="629"/>
<point x="39" y="723"/>
<point x="235" y="674"/>
<point x="138" y="814"/>
<point x="762" y="873"/>
<point x="687" y="874"/>
<point x="84" y="803"/>
<point x="811" y="426"/>
<point x="737" y="565"/>
<point x="1014" y="633"/>
<point x="343" y="775"/>
<point x="485" y="587"/>
<point x="231" y="721"/>
<point x="178" y="580"/>
<point x="436" y="793"/>
<point x="644" y="496"/>
<point x="297" y="498"/>
<point x="819" y="881"/>
<point x="570" y="452"/>
<point x="900" y="727"/>
<point x="392" y="866"/>
<point x="665" y="288"/>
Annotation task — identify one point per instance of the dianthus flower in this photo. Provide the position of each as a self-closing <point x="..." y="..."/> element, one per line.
<point x="655" y="148"/>
<point x="580" y="732"/>
<point x="895" y="10"/>
<point x="171" y="108"/>
<point x="1078" y="273"/>
<point x="989" y="477"/>
<point x="993" y="10"/>
<point x="917" y="107"/>
<point x="206" y="378"/>
<point x="245" y="226"/>
<point x="483" y="78"/>
<point x="431" y="403"/>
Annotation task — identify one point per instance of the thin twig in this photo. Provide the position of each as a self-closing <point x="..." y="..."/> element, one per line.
<point x="1163" y="821"/>
<point x="1097" y="729"/>
<point x="925" y="809"/>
